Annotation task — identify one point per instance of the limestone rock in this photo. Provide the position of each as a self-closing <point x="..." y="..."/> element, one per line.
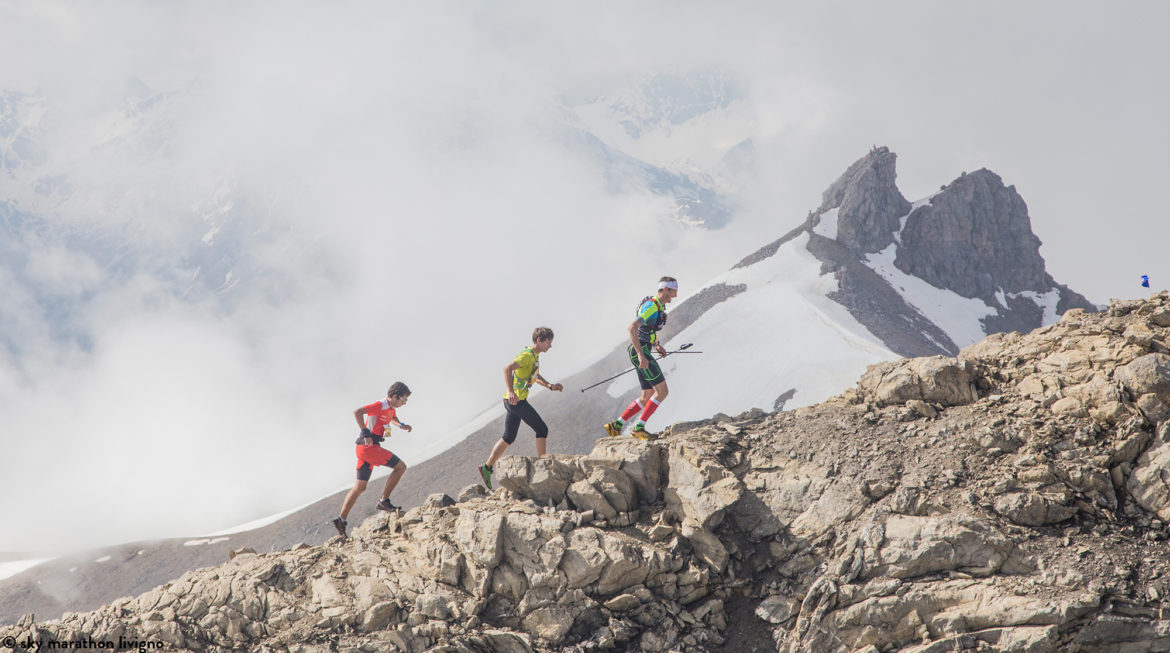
<point x="544" y="480"/>
<point x="378" y="616"/>
<point x="481" y="536"/>
<point x="917" y="546"/>
<point x="700" y="488"/>
<point x="1032" y="509"/>
<point x="1154" y="408"/>
<point x="1149" y="374"/>
<point x="777" y="609"/>
<point x="587" y="497"/>
<point x="1149" y="484"/>
<point x="937" y="379"/>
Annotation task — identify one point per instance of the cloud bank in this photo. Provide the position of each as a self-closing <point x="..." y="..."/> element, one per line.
<point x="393" y="193"/>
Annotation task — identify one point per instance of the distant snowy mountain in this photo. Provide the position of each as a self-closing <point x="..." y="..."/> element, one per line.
<point x="696" y="125"/>
<point x="697" y="201"/>
<point x="665" y="100"/>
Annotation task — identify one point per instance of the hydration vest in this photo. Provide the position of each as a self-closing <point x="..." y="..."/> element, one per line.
<point x="660" y="321"/>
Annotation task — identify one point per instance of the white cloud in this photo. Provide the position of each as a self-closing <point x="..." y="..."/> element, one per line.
<point x="405" y="180"/>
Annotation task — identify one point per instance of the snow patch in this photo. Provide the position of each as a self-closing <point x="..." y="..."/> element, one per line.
<point x="961" y="318"/>
<point x="784" y="319"/>
<point x="902" y="220"/>
<point x="16" y="566"/>
<point x="1047" y="301"/>
<point x="206" y="540"/>
<point x="827" y="227"/>
<point x="254" y="524"/>
<point x="229" y="282"/>
<point x="209" y="237"/>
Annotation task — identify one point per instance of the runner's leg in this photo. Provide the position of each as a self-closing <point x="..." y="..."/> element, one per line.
<point x="657" y="380"/>
<point x="533" y="420"/>
<point x="497" y="451"/>
<point x="635" y="407"/>
<point x="359" y="486"/>
<point x="394" y="477"/>
<point x="647" y="388"/>
<point x="511" y="428"/>
<point x="660" y="392"/>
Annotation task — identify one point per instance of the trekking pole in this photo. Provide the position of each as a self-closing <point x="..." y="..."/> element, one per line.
<point x="681" y="350"/>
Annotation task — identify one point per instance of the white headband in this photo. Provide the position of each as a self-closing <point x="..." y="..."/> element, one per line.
<point x="668" y="285"/>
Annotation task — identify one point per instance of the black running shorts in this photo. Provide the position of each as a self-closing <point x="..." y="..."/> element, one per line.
<point x="652" y="375"/>
<point x="522" y="411"/>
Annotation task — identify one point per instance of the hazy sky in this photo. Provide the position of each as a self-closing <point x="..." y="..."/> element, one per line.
<point x="405" y="162"/>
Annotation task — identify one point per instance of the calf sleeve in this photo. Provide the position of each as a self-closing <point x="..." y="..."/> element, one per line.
<point x="651" y="406"/>
<point x="632" y="409"/>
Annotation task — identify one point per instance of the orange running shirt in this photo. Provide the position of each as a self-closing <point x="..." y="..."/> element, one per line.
<point x="378" y="415"/>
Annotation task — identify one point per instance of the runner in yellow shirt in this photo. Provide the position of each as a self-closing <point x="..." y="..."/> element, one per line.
<point x="519" y="376"/>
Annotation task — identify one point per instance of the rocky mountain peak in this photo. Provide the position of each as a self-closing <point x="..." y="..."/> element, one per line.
<point x="975" y="238"/>
<point x="870" y="204"/>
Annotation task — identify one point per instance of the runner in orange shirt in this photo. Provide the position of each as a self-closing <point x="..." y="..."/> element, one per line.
<point x="374" y="419"/>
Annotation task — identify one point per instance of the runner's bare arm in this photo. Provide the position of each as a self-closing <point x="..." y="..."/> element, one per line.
<point x="643" y="362"/>
<point x="508" y="370"/>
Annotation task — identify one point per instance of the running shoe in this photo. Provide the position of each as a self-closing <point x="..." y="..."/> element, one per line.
<point x="340" y="525"/>
<point x="385" y="504"/>
<point x="485" y="473"/>
<point x="612" y="429"/>
<point x="639" y="431"/>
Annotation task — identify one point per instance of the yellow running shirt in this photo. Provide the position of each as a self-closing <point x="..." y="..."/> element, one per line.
<point x="528" y="363"/>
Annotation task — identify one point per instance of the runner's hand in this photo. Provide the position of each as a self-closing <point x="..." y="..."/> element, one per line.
<point x="512" y="399"/>
<point x="556" y="387"/>
<point x="643" y="362"/>
<point x="661" y="350"/>
<point x="405" y="427"/>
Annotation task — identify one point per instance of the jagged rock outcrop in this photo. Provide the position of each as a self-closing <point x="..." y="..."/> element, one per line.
<point x="870" y="206"/>
<point x="1012" y="498"/>
<point x="974" y="237"/>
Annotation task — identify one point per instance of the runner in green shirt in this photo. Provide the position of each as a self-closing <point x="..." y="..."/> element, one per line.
<point x="643" y="332"/>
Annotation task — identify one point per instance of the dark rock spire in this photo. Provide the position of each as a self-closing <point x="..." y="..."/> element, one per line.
<point x="870" y="204"/>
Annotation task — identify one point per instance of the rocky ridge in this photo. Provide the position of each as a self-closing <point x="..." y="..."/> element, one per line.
<point x="1012" y="498"/>
<point x="973" y="237"/>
